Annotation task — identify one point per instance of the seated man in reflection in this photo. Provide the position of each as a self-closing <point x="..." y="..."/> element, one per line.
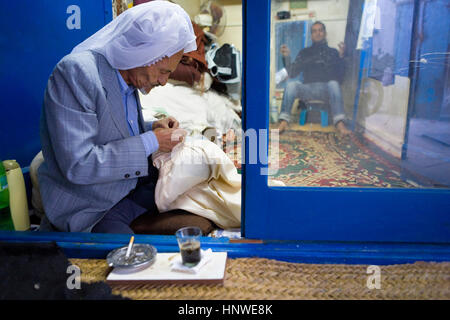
<point x="323" y="70"/>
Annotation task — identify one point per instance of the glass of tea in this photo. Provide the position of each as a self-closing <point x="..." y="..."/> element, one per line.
<point x="189" y="242"/>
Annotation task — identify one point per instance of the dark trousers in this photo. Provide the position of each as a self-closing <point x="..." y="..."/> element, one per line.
<point x="144" y="193"/>
<point x="137" y="202"/>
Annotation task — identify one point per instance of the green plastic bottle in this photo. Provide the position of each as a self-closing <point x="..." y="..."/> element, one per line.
<point x="6" y="222"/>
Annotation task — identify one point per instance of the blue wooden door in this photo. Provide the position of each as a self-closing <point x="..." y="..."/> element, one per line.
<point x="316" y="213"/>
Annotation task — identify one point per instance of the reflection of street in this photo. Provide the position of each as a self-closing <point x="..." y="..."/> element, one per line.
<point x="428" y="150"/>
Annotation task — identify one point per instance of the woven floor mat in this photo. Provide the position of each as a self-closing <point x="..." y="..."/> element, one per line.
<point x="327" y="159"/>
<point x="263" y="279"/>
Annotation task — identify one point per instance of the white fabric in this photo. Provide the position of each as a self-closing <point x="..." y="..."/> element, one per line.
<point x="143" y="35"/>
<point x="281" y="76"/>
<point x="197" y="176"/>
<point x="193" y="109"/>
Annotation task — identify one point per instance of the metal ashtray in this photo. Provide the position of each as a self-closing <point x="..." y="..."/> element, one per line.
<point x="141" y="256"/>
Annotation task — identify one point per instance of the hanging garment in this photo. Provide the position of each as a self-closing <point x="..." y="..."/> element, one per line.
<point x="224" y="63"/>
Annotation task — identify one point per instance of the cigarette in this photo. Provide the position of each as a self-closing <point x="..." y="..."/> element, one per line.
<point x="130" y="245"/>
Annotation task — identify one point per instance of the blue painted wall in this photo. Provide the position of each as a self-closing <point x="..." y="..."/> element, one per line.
<point x="34" y="37"/>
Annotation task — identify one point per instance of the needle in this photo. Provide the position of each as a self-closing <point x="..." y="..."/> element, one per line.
<point x="130" y="245"/>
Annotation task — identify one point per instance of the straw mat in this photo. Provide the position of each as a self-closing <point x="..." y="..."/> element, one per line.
<point x="264" y="279"/>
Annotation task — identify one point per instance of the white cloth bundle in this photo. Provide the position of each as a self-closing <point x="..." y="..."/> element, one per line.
<point x="194" y="110"/>
<point x="143" y="35"/>
<point x="197" y="176"/>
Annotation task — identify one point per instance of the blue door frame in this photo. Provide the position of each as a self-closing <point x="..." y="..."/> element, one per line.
<point x="352" y="247"/>
<point x="97" y="246"/>
<point x="324" y="214"/>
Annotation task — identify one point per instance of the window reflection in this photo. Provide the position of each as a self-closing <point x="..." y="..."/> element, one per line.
<point x="360" y="93"/>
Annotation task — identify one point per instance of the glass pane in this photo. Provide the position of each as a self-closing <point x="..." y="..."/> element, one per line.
<point x="359" y="94"/>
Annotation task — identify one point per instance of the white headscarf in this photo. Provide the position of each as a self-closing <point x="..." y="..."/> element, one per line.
<point x="143" y="35"/>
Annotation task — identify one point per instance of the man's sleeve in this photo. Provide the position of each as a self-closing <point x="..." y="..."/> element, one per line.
<point x="339" y="66"/>
<point x="150" y="142"/>
<point x="294" y="68"/>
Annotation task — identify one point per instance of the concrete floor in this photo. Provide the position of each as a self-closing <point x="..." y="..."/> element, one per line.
<point x="428" y="151"/>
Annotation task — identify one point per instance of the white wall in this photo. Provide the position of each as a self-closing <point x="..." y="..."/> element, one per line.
<point x="234" y="29"/>
<point x="191" y="6"/>
<point x="382" y="111"/>
<point x="233" y="10"/>
<point x="333" y="13"/>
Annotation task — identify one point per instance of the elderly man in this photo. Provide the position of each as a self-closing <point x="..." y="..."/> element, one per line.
<point x="97" y="175"/>
<point x="322" y="69"/>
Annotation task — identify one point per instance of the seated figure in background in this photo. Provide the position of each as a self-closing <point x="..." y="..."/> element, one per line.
<point x="323" y="70"/>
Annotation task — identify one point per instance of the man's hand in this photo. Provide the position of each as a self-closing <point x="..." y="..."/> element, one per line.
<point x="166" y="123"/>
<point x="341" y="49"/>
<point x="285" y="51"/>
<point x="168" y="138"/>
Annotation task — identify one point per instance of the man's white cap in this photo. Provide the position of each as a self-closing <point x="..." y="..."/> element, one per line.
<point x="143" y="35"/>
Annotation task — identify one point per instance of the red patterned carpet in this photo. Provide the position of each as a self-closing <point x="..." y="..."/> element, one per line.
<point x="325" y="159"/>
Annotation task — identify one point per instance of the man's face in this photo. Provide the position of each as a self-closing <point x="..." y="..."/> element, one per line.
<point x="146" y="78"/>
<point x="318" y="33"/>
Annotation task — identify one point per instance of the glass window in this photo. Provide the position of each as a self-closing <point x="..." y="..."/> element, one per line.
<point x="359" y="94"/>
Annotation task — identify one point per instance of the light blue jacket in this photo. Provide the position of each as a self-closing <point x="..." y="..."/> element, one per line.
<point x="91" y="161"/>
